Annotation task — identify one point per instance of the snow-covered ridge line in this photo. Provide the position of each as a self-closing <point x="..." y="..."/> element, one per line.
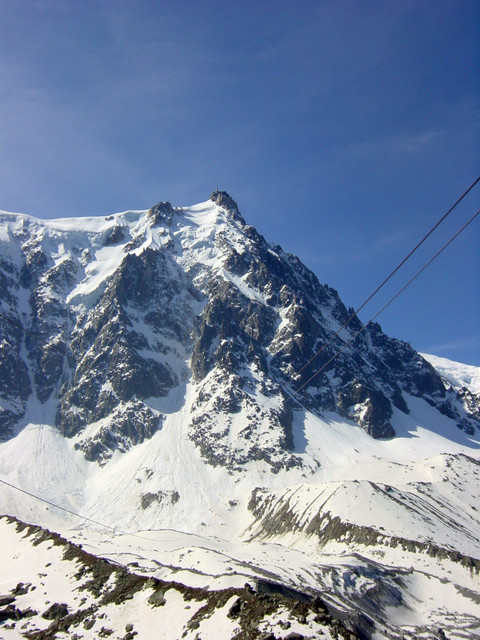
<point x="55" y="587"/>
<point x="457" y="374"/>
<point x="90" y="223"/>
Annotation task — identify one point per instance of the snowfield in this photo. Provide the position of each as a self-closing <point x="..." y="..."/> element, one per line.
<point x="408" y="512"/>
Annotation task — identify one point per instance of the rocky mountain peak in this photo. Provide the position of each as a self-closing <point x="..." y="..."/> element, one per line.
<point x="161" y="213"/>
<point x="223" y="199"/>
<point x="121" y="317"/>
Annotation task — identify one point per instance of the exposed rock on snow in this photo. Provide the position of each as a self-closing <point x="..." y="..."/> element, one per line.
<point x="106" y="600"/>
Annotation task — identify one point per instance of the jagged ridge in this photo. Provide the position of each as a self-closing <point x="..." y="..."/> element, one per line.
<point x="121" y="310"/>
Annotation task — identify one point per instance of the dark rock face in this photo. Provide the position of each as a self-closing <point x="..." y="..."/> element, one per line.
<point x="114" y="236"/>
<point x="55" y="611"/>
<point x="223" y="199"/>
<point x="15" y="386"/>
<point x="161" y="213"/>
<point x="236" y="332"/>
<point x="373" y="412"/>
<point x="115" y="366"/>
<point x="129" y="424"/>
<point x="159" y="496"/>
<point x="248" y="323"/>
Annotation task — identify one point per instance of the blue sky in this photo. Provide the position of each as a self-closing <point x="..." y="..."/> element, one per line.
<point x="344" y="130"/>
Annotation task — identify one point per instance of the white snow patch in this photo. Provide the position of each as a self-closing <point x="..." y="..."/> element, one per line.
<point x="457" y="374"/>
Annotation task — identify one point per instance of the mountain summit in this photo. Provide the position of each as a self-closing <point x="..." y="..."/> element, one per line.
<point x="105" y="319"/>
<point x="170" y="371"/>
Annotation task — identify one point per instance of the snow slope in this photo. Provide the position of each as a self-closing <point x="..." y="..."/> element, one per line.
<point x="66" y="592"/>
<point x="459" y="375"/>
<point x="397" y="505"/>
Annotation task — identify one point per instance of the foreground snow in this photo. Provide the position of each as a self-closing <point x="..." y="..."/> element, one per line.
<point x="383" y="528"/>
<point x="66" y="592"/>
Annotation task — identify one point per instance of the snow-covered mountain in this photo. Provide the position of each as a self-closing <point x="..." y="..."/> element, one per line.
<point x="158" y="373"/>
<point x="456" y="374"/>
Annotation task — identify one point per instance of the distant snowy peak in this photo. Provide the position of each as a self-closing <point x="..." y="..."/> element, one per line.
<point x="457" y="374"/>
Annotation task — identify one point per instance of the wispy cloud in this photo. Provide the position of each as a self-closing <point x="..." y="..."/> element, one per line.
<point x="406" y="143"/>
<point x="472" y="342"/>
